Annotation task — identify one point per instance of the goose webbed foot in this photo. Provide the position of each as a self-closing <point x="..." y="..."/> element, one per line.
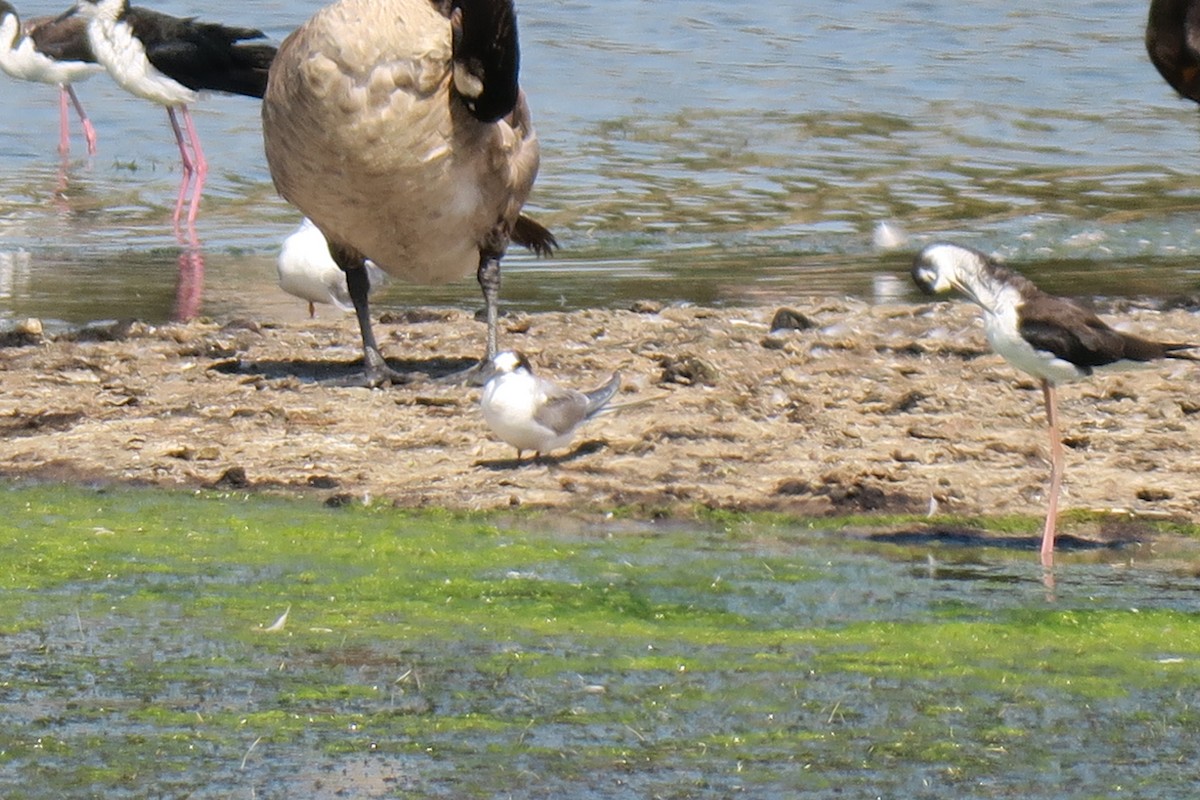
<point x="475" y="375"/>
<point x="375" y="374"/>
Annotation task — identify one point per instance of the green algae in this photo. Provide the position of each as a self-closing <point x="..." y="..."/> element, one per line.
<point x="435" y="654"/>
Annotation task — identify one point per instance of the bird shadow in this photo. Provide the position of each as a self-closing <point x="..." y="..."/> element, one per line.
<point x="582" y="449"/>
<point x="971" y="537"/>
<point x="340" y="373"/>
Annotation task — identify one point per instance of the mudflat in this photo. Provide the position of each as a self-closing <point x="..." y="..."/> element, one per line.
<point x="856" y="408"/>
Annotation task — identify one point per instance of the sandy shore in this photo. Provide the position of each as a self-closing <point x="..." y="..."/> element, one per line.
<point x="872" y="409"/>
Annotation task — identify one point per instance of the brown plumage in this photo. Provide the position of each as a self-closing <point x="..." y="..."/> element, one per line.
<point x="398" y="128"/>
<point x="1075" y="334"/>
<point x="52" y="50"/>
<point x="61" y="38"/>
<point x="1173" y="43"/>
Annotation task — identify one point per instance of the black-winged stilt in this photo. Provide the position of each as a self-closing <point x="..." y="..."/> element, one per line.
<point x="1052" y="338"/>
<point x="53" y="50"/>
<point x="168" y="60"/>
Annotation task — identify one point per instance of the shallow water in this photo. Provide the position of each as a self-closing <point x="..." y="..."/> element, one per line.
<point x="704" y="152"/>
<point x="432" y="656"/>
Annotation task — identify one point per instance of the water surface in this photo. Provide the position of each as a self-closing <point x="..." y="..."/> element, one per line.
<point x="144" y="651"/>
<point x="706" y="152"/>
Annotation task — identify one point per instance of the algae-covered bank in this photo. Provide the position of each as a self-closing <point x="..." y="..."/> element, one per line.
<point x="170" y="644"/>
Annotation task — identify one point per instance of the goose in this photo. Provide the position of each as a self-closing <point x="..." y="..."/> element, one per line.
<point x="169" y="60"/>
<point x="399" y="128"/>
<point x="307" y="271"/>
<point x="53" y="50"/>
<point x="1173" y="43"/>
<point x="1054" y="339"/>
<point x="530" y="412"/>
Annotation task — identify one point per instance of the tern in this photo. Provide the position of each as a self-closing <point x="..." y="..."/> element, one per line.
<point x="1054" y="339"/>
<point x="530" y="412"/>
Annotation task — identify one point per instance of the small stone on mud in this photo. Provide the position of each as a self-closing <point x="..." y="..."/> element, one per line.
<point x="646" y="307"/>
<point x="180" y="451"/>
<point x="14" y="337"/>
<point x="242" y="325"/>
<point x="29" y="327"/>
<point x="908" y="402"/>
<point x="793" y="487"/>
<point x="773" y="343"/>
<point x="926" y="432"/>
<point x="687" y="370"/>
<point x="519" y="325"/>
<point x="339" y="500"/>
<point x="786" y="319"/>
<point x="1151" y="495"/>
<point x="108" y="331"/>
<point x="322" y="482"/>
<point x="232" y="478"/>
<point x="412" y="316"/>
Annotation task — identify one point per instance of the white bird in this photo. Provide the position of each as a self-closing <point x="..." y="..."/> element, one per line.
<point x="1052" y="338"/>
<point x="532" y="413"/>
<point x="399" y="128"/>
<point x="307" y="270"/>
<point x="53" y="50"/>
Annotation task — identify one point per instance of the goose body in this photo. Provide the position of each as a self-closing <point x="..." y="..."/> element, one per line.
<point x="1173" y="44"/>
<point x="398" y="128"/>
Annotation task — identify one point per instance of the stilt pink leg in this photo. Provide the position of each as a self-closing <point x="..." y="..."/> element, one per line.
<point x="188" y="167"/>
<point x="89" y="132"/>
<point x="189" y="291"/>
<point x="64" y="132"/>
<point x="1056" y="474"/>
<point x="201" y="164"/>
<point x="189" y="288"/>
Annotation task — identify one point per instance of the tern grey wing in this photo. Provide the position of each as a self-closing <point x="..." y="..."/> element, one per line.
<point x="598" y="398"/>
<point x="562" y="410"/>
